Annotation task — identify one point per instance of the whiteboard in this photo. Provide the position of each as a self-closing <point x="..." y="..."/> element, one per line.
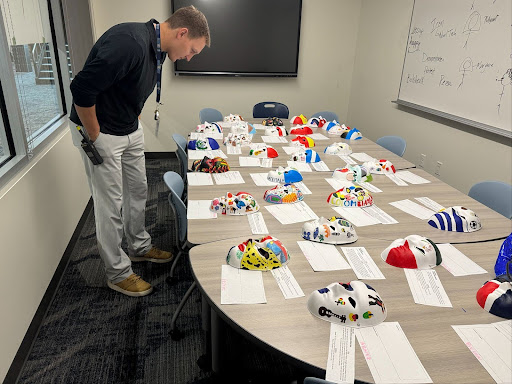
<point x="458" y="62"/>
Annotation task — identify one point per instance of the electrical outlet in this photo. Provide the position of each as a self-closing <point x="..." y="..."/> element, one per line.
<point x="423" y="158"/>
<point x="438" y="168"/>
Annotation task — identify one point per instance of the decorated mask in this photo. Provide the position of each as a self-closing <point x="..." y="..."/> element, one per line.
<point x="313" y="122"/>
<point x="203" y="144"/>
<point x="275" y="131"/>
<point x="321" y="122"/>
<point x="353" y="134"/>
<point x="380" y="167"/>
<point x="355" y="304"/>
<point x="209" y="128"/>
<point x="330" y="125"/>
<point x="207" y="165"/>
<point x="264" y="254"/>
<point x="298" y="120"/>
<point x="456" y="219"/>
<point x="350" y="197"/>
<point x="272" y="121"/>
<point x="241" y="139"/>
<point x="504" y="257"/>
<point x="355" y="173"/>
<point x="305" y="156"/>
<point x="264" y="152"/>
<point x="233" y="118"/>
<point x="495" y="296"/>
<point x="284" y="175"/>
<point x="242" y="203"/>
<point x="414" y="252"/>
<point x="242" y="127"/>
<point x="305" y="141"/>
<point x="337" y="130"/>
<point x="301" y="131"/>
<point x="283" y="194"/>
<point x="338" y="149"/>
<point x="335" y="230"/>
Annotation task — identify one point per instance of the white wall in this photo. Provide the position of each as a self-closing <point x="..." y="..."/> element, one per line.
<point x="326" y="62"/>
<point x="39" y="212"/>
<point x="468" y="155"/>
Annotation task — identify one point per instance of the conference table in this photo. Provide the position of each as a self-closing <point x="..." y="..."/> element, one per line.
<point x="303" y="338"/>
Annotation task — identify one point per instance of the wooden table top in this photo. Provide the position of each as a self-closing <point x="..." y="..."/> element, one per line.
<point x="289" y="328"/>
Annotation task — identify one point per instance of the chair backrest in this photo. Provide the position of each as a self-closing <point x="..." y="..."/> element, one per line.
<point x="210" y="115"/>
<point x="270" y="109"/>
<point x="183" y="158"/>
<point x="180" y="141"/>
<point x="176" y="185"/>
<point x="497" y="195"/>
<point x="329" y="116"/>
<point x="395" y="144"/>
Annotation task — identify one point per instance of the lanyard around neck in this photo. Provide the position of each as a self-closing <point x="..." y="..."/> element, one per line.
<point x="158" y="63"/>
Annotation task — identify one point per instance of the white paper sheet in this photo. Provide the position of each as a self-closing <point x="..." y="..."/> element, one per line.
<point x="362" y="157"/>
<point x="198" y="178"/>
<point x="257" y="224"/>
<point x="290" y="150"/>
<point x="287" y="283"/>
<point x="362" y="263"/>
<point x="379" y="214"/>
<point x="201" y="135"/>
<point x="323" y="257"/>
<point x="457" y="263"/>
<point x="259" y="126"/>
<point x="504" y="327"/>
<point x="260" y="179"/>
<point x="200" y="209"/>
<point x="292" y="213"/>
<point x="491" y="345"/>
<point x="318" y="136"/>
<point x="341" y="359"/>
<point x="247" y="161"/>
<point x="429" y="203"/>
<point x="230" y="177"/>
<point x="303" y="188"/>
<point x="357" y="216"/>
<point x="239" y="286"/>
<point x="390" y="355"/>
<point x="411" y="177"/>
<point x="266" y="163"/>
<point x="426" y="288"/>
<point x="234" y="150"/>
<point x="320" y="167"/>
<point x="369" y="186"/>
<point x="274" y="139"/>
<point x="301" y="167"/>
<point x="398" y="181"/>
<point x="338" y="184"/>
<point x="198" y="154"/>
<point x="413" y="209"/>
<point x="347" y="159"/>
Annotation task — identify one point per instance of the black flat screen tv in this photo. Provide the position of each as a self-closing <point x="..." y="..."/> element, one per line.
<point x="248" y="38"/>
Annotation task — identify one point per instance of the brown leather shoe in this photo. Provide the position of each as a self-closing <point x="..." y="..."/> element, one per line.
<point x="133" y="286"/>
<point x="154" y="255"/>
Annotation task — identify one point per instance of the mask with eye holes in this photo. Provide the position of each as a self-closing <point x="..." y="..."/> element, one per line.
<point x="272" y="121"/>
<point x="336" y="230"/>
<point x="456" y="219"/>
<point x="353" y="304"/>
<point x="413" y="252"/>
<point x="262" y="254"/>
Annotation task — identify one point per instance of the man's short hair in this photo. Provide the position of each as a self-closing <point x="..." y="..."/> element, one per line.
<point x="192" y="19"/>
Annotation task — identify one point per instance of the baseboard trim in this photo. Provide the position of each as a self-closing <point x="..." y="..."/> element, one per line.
<point x="33" y="330"/>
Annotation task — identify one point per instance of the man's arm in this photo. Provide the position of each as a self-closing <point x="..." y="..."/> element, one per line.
<point x="89" y="120"/>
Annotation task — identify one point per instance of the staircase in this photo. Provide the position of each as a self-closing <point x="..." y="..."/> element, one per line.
<point x="43" y="64"/>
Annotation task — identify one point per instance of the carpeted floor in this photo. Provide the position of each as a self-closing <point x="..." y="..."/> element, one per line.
<point x="92" y="334"/>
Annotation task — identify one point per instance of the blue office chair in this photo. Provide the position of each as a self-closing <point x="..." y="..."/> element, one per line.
<point x="210" y="115"/>
<point x="329" y="116"/>
<point x="270" y="109"/>
<point x="175" y="184"/>
<point x="497" y="195"/>
<point x="395" y="144"/>
<point x="181" y="152"/>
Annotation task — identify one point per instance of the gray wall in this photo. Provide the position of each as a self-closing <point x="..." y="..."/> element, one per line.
<point x="468" y="155"/>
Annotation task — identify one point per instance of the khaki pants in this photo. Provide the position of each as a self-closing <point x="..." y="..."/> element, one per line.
<point x="119" y="191"/>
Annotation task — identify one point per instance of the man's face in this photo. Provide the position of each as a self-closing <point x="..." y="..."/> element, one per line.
<point x="184" y="47"/>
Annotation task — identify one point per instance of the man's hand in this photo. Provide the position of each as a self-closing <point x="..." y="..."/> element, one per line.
<point x="89" y="120"/>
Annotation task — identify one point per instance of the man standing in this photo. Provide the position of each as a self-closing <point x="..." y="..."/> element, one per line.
<point x="108" y="95"/>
